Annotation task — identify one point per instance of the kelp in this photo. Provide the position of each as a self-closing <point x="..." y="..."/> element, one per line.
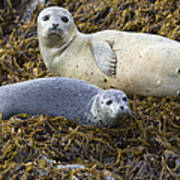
<point x="144" y="146"/>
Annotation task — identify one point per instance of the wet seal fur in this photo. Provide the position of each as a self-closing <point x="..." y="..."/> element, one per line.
<point x="136" y="63"/>
<point x="70" y="98"/>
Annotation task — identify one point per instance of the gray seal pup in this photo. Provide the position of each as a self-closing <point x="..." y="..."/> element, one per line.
<point x="70" y="98"/>
<point x="136" y="63"/>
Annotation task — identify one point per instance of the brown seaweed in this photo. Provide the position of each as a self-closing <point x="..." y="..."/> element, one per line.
<point x="145" y="146"/>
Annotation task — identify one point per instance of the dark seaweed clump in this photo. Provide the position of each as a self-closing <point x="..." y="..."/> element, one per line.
<point x="145" y="146"/>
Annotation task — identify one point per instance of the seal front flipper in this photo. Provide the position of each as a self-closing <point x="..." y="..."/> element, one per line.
<point x="105" y="57"/>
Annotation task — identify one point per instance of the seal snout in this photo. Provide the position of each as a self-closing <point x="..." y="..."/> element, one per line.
<point x="118" y="109"/>
<point x="55" y="25"/>
<point x="123" y="109"/>
<point x="55" y="30"/>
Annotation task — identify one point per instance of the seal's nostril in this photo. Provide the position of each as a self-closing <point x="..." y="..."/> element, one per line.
<point x="55" y="25"/>
<point x="122" y="107"/>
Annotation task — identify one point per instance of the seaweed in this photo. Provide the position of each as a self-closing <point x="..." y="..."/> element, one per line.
<point x="145" y="146"/>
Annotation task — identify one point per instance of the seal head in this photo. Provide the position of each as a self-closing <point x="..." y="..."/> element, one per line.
<point x="109" y="106"/>
<point x="55" y="24"/>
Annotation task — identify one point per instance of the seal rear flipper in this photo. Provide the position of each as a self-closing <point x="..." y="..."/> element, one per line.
<point x="105" y="57"/>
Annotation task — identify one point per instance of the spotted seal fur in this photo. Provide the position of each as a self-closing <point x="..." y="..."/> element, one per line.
<point x="136" y="63"/>
<point x="67" y="97"/>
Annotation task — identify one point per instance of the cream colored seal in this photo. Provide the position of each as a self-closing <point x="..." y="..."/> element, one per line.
<point x="136" y="63"/>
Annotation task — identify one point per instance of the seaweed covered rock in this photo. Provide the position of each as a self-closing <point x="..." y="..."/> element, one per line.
<point x="35" y="147"/>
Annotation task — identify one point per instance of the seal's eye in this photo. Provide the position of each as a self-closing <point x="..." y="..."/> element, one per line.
<point x="64" y="19"/>
<point x="124" y="99"/>
<point x="109" y="102"/>
<point x="45" y="18"/>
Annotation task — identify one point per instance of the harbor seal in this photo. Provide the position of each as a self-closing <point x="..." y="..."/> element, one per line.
<point x="70" y="98"/>
<point x="136" y="63"/>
